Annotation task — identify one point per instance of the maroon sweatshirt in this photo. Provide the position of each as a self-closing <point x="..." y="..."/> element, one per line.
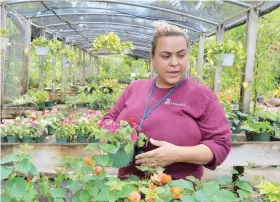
<point x="191" y="115"/>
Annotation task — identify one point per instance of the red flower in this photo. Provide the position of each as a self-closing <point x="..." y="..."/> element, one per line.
<point x="131" y="121"/>
<point x="34" y="118"/>
<point x="270" y="51"/>
<point x="276" y="48"/>
<point x="133" y="137"/>
<point x="43" y="113"/>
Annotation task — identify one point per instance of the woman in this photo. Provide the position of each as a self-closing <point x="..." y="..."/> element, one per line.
<point x="183" y="119"/>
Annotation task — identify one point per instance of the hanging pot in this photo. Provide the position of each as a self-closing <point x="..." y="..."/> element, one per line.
<point x="228" y="59"/>
<point x="42" y="50"/>
<point x="4" y="42"/>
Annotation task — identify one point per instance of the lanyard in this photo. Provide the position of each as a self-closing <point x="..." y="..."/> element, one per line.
<point x="146" y="114"/>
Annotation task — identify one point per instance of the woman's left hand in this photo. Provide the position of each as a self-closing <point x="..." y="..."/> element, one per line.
<point x="161" y="157"/>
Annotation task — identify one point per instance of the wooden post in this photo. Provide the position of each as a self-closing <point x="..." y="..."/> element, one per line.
<point x="84" y="66"/>
<point x="248" y="72"/>
<point x="54" y="68"/>
<point x="200" y="57"/>
<point x="63" y="67"/>
<point x="70" y="66"/>
<point x="2" y="59"/>
<point x="75" y="76"/>
<point x="217" y="77"/>
<point x="25" y="65"/>
<point x="189" y="68"/>
<point x="90" y="66"/>
<point x="80" y="66"/>
<point x="42" y="63"/>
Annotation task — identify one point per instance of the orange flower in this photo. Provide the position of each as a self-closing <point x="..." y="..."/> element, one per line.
<point x="150" y="200"/>
<point x="176" y="192"/>
<point x="28" y="179"/>
<point x="134" y="197"/>
<point x="98" y="170"/>
<point x="161" y="178"/>
<point x="152" y="186"/>
<point x="88" y="161"/>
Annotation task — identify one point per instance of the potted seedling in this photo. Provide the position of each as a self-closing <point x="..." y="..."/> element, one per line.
<point x="259" y="130"/>
<point x="64" y="131"/>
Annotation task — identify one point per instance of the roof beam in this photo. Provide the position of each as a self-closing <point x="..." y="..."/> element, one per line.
<point x="118" y="15"/>
<point x="238" y="3"/>
<point x="141" y="6"/>
<point x="112" y="23"/>
<point x="103" y="29"/>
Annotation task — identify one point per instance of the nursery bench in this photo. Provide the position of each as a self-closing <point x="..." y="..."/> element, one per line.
<point x="46" y="157"/>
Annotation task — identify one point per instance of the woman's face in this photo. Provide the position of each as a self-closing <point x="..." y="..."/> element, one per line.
<point x="170" y="60"/>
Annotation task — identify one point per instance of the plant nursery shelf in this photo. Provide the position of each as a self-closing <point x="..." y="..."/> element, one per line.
<point x="46" y="157"/>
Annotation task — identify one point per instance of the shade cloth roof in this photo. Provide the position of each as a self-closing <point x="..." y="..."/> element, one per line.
<point x="82" y="21"/>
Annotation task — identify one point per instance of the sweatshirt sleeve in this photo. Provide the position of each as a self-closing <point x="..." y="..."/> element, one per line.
<point x="119" y="106"/>
<point x="215" y="132"/>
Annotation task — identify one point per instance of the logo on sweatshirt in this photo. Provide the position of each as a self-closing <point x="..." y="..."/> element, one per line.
<point x="169" y="102"/>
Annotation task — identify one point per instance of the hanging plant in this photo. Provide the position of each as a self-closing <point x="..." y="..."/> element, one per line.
<point x="41" y="45"/>
<point x="111" y="43"/>
<point x="215" y="52"/>
<point x="4" y="33"/>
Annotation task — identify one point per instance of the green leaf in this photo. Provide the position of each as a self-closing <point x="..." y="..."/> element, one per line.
<point x="202" y="196"/>
<point x="109" y="148"/>
<point x="243" y="194"/>
<point x="6" y="171"/>
<point x="92" y="146"/>
<point x="244" y="185"/>
<point x="10" y="158"/>
<point x="224" y="180"/>
<point x="103" y="160"/>
<point x="17" y="187"/>
<point x="23" y="166"/>
<point x="187" y="198"/>
<point x="33" y="170"/>
<point x="160" y="190"/>
<point x="223" y="196"/>
<point x="85" y="196"/>
<point x="45" y="187"/>
<point x="233" y="171"/>
<point x="58" y="200"/>
<point x="31" y="194"/>
<point x="103" y="195"/>
<point x="211" y="187"/>
<point x="144" y="190"/>
<point x="5" y="198"/>
<point x="86" y="169"/>
<point x="73" y="186"/>
<point x="114" y="195"/>
<point x="92" y="190"/>
<point x="126" y="190"/>
<point x="58" y="193"/>
<point x="143" y="168"/>
<point x="183" y="184"/>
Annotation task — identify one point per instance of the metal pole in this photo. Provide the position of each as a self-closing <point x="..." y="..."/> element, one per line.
<point x="251" y="40"/>
<point x="54" y="68"/>
<point x="200" y="57"/>
<point x="41" y="70"/>
<point x="63" y="79"/>
<point x="217" y="77"/>
<point x="2" y="59"/>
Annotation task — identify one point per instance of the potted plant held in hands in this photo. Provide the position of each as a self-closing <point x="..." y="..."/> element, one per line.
<point x="124" y="136"/>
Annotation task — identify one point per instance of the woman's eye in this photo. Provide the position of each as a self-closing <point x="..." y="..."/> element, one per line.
<point x="165" y="56"/>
